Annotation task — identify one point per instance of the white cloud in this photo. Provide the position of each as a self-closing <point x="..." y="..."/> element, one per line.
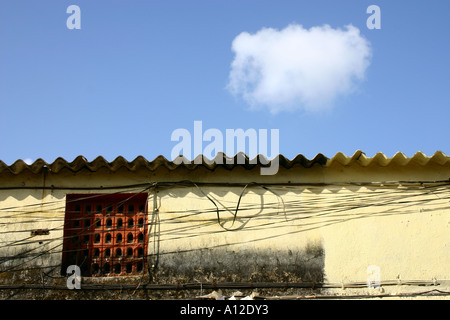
<point x="297" y="68"/>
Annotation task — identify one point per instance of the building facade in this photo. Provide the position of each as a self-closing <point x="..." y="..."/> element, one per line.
<point x="340" y="220"/>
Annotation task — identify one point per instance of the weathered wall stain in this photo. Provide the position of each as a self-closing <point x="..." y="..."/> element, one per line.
<point x="255" y="265"/>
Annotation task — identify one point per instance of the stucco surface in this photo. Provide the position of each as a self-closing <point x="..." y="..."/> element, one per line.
<point x="319" y="223"/>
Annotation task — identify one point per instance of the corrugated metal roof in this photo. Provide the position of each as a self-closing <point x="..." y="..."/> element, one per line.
<point x="358" y="158"/>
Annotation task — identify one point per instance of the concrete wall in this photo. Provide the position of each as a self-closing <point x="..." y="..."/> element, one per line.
<point x="325" y="230"/>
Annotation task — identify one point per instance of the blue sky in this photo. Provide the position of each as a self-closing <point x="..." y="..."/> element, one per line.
<point x="138" y="70"/>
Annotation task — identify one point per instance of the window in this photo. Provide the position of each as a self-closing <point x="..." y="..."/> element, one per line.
<point x="105" y="235"/>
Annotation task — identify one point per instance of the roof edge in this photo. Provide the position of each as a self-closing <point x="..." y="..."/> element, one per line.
<point x="227" y="162"/>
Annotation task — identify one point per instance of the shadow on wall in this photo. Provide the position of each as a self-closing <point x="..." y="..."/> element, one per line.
<point x="245" y="265"/>
<point x="232" y="261"/>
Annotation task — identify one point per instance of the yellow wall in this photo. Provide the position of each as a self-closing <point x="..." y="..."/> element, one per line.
<point x="403" y="229"/>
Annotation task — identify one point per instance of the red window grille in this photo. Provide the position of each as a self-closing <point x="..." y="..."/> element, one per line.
<point x="106" y="235"/>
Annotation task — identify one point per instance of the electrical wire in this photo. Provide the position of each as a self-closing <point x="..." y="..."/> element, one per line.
<point x="290" y="208"/>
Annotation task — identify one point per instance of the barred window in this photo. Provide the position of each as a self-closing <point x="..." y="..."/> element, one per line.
<point x="105" y="234"/>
